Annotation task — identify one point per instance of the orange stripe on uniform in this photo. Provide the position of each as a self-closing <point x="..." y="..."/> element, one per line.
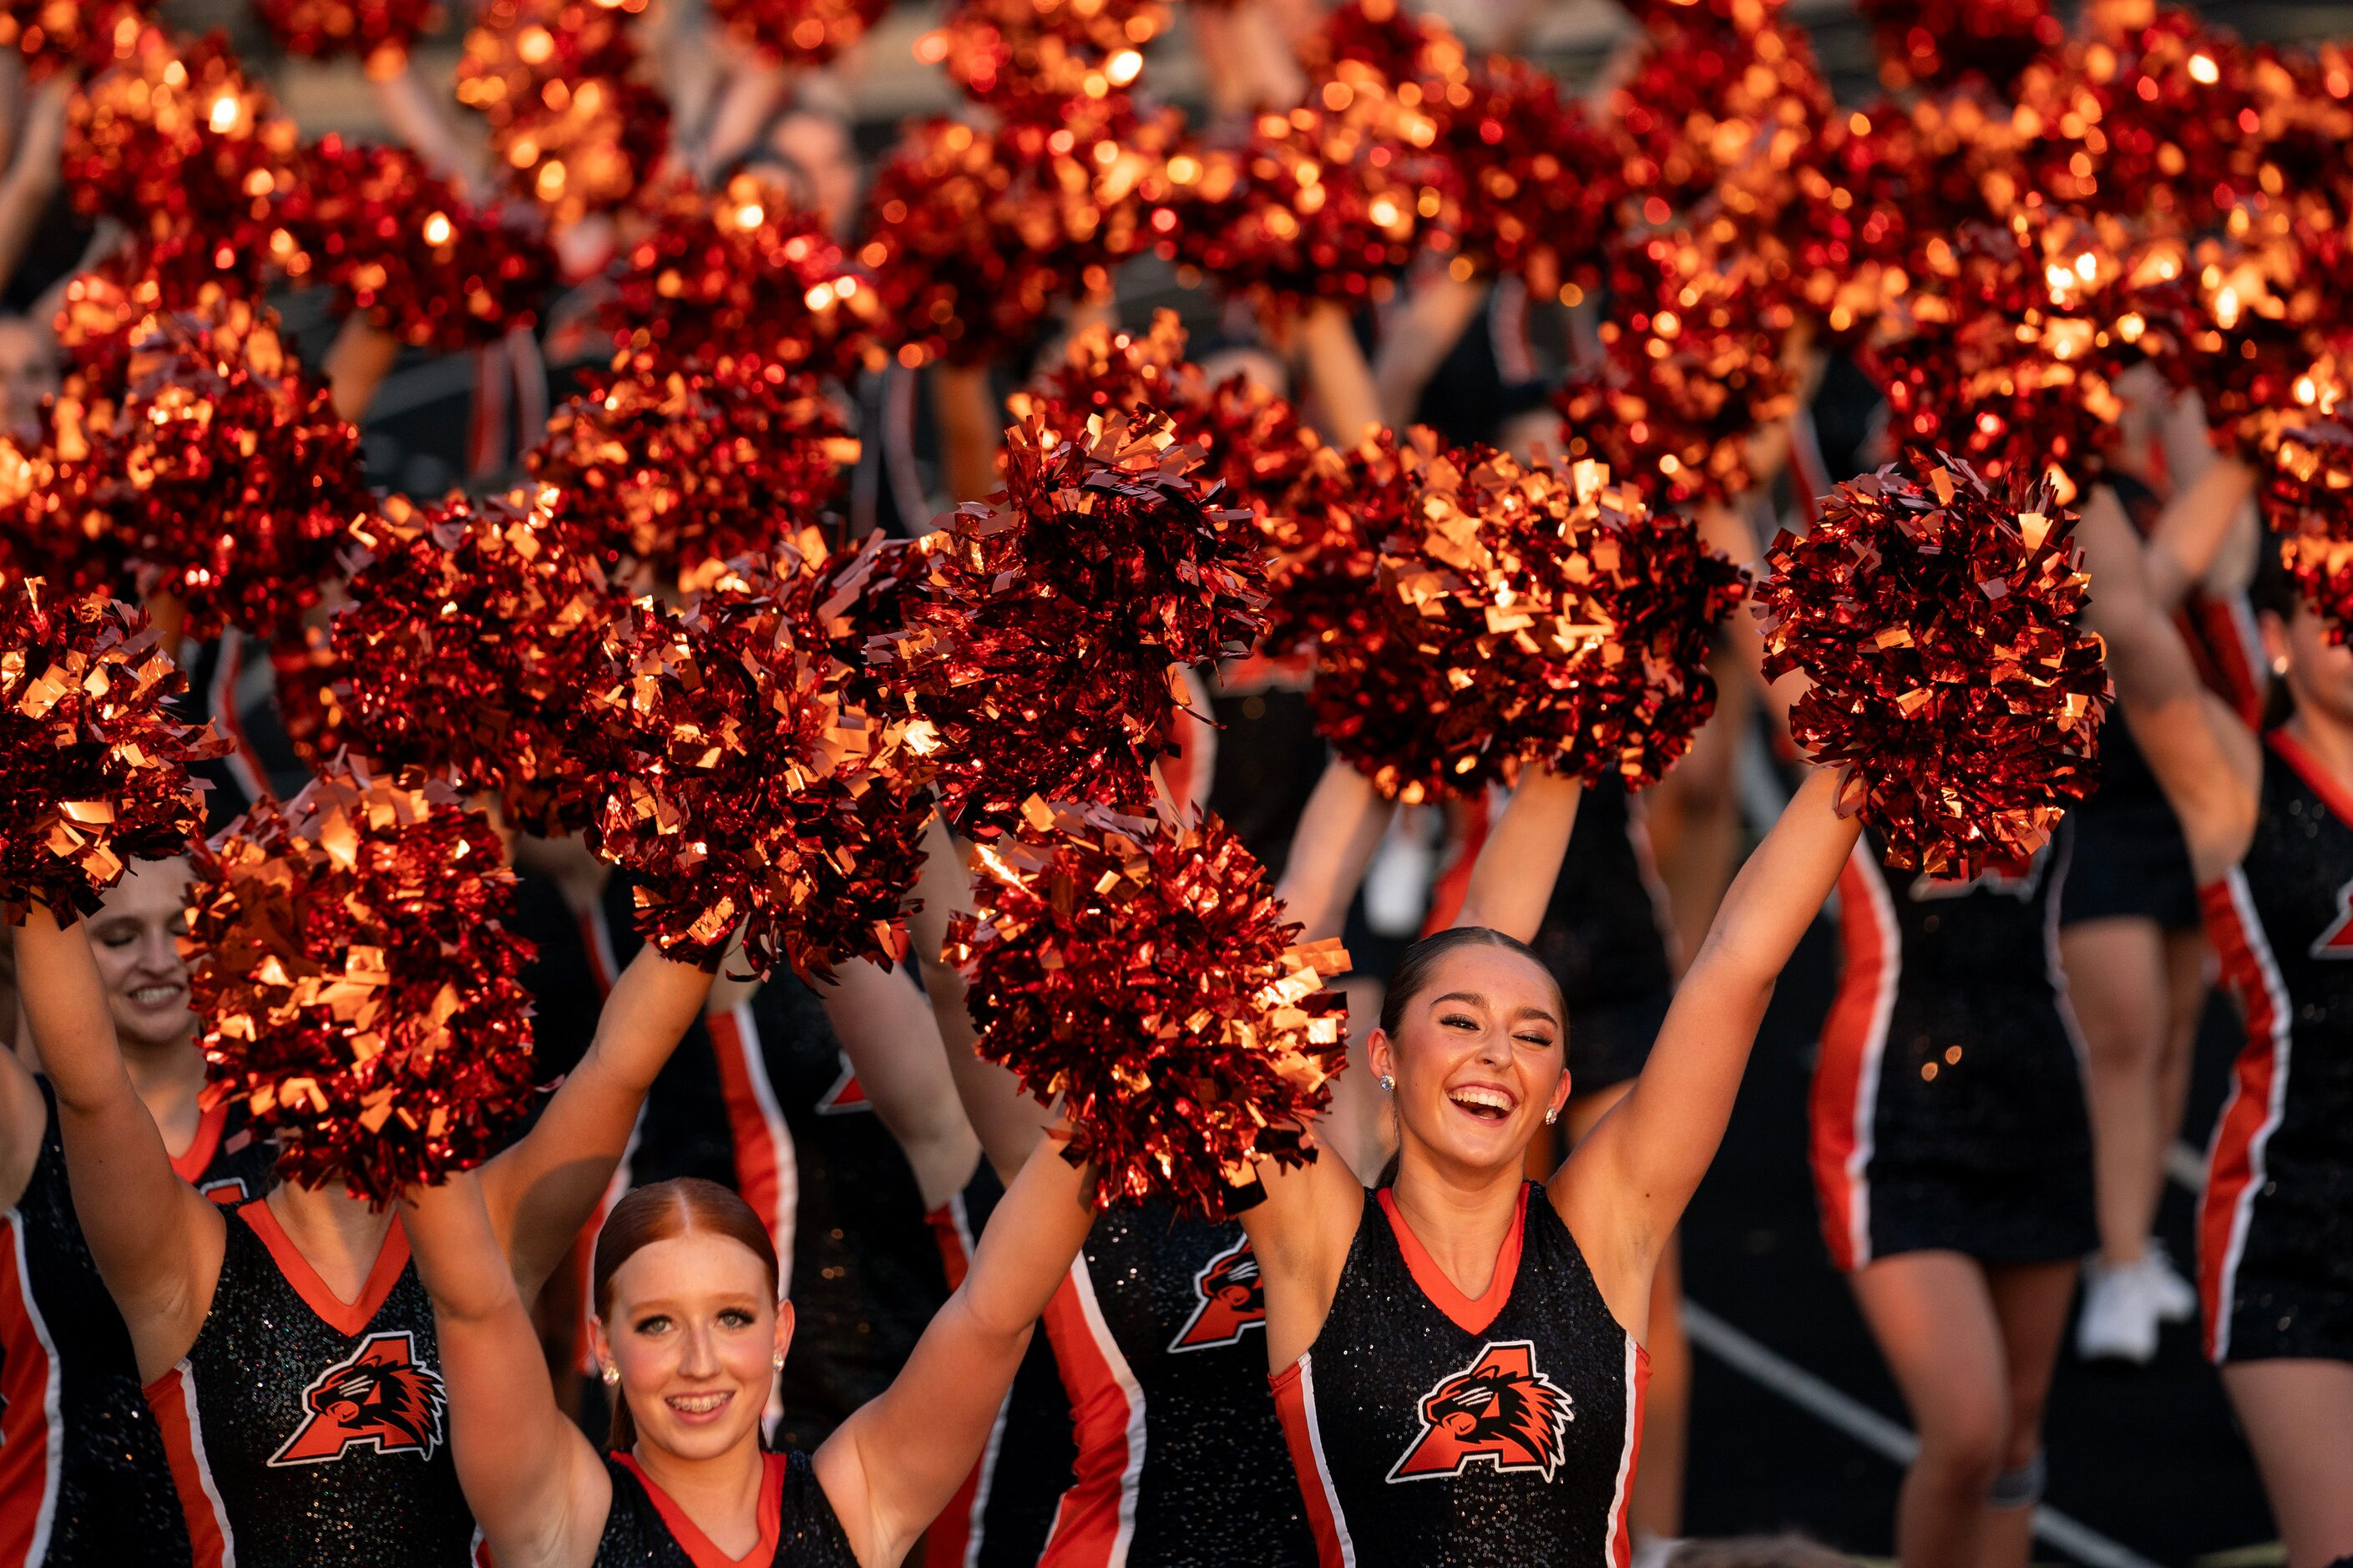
<point x="1097" y="1516"/>
<point x="1294" y="1410"/>
<point x="32" y="1422"/>
<point x="1846" y="1077"/>
<point x="172" y="1398"/>
<point x="2235" y="1162"/>
<point x="948" y="1542"/>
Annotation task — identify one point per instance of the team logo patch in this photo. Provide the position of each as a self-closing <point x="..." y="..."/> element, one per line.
<point x="846" y="1095"/>
<point x="1500" y="1409"/>
<point x="2337" y="941"/>
<point x="381" y="1397"/>
<point x="1232" y="1300"/>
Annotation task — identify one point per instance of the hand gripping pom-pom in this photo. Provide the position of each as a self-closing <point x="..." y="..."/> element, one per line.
<point x="96" y="766"/>
<point x="1931" y="614"/>
<point x="1141" y="972"/>
<point x="1047" y="645"/>
<point x="470" y="642"/>
<point x="744" y="789"/>
<point x="360" y="999"/>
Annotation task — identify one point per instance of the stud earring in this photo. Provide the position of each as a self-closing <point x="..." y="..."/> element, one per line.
<point x="1388" y="1084"/>
<point x="777" y="1362"/>
<point x="612" y="1376"/>
<point x="1551" y="1117"/>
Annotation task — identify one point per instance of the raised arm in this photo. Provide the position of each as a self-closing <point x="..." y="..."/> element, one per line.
<point x="2210" y="512"/>
<point x="1625" y="1186"/>
<point x="1007" y="1122"/>
<point x="1511" y="880"/>
<point x="893" y="1041"/>
<point x="895" y="1464"/>
<point x="157" y="1241"/>
<point x="1330" y="849"/>
<point x="532" y="1478"/>
<point x="2205" y="759"/>
<point x="540" y="1189"/>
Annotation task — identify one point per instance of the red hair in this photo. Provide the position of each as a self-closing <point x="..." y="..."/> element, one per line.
<point x="684" y="1205"/>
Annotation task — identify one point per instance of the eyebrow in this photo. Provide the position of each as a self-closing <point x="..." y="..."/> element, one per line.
<point x="1478" y="1001"/>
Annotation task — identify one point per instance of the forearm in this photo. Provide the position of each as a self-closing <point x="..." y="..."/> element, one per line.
<point x="2190" y="534"/>
<point x="1036" y="1231"/>
<point x="888" y="1030"/>
<point x="1007" y="1122"/>
<point x="1511" y="880"/>
<point x="2146" y="657"/>
<point x="65" y="1003"/>
<point x="1774" y="899"/>
<point x="1333" y="842"/>
<point x="1337" y="374"/>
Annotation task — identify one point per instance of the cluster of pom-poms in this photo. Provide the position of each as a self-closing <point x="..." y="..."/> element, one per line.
<point x="1931" y="613"/>
<point x="1141" y="973"/>
<point x="1046" y="644"/>
<point x="569" y="119"/>
<point x="380" y="32"/>
<point x="97" y="763"/>
<point x="1527" y="615"/>
<point x="361" y="1001"/>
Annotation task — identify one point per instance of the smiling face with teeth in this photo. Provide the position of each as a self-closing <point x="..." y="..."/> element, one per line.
<point x="691" y="1324"/>
<point x="135" y="938"/>
<point x="1474" y="1038"/>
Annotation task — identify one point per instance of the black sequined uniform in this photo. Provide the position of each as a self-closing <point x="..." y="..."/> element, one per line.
<point x="647" y="1529"/>
<point x="2276" y="1225"/>
<point x="1948" y="1105"/>
<point x="1605" y="937"/>
<point x="83" y="1479"/>
<point x="1001" y="1515"/>
<point x="304" y="1432"/>
<point x="1159" y="1335"/>
<point x="1429" y="1430"/>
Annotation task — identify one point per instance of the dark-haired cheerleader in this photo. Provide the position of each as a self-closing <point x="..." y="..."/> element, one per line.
<point x="83" y="1479"/>
<point x="1454" y="1367"/>
<point x="286" y="1344"/>
<point x="2269" y="819"/>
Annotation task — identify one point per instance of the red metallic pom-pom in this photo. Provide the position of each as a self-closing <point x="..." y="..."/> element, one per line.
<point x="973" y="237"/>
<point x="1931" y="613"/>
<point x="1327" y="202"/>
<point x="1692" y="367"/>
<point x="380" y="32"/>
<point x="799" y="32"/>
<point x="2232" y="316"/>
<point x="70" y="34"/>
<point x="225" y="470"/>
<point x="403" y="244"/>
<point x="1046" y="646"/>
<point x="2006" y="350"/>
<point x="744" y="790"/>
<point x="2308" y="498"/>
<point x="470" y="642"/>
<point x="177" y="143"/>
<point x="1705" y="103"/>
<point x="1396" y="42"/>
<point x="95" y="773"/>
<point x="1933" y="43"/>
<point x="573" y="127"/>
<point x="1141" y="973"/>
<point x="360" y="999"/>
<point x="1540" y="180"/>
<point x="739" y="272"/>
<point x="1027" y="59"/>
<point x="681" y="468"/>
<point x="314" y="696"/>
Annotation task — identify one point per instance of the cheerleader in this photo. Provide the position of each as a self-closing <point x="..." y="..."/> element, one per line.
<point x="1176" y="1455"/>
<point x="2269" y="821"/>
<point x="1952" y="1160"/>
<point x="286" y="1346"/>
<point x="689" y="1335"/>
<point x="1454" y="1369"/>
<point x="83" y="1479"/>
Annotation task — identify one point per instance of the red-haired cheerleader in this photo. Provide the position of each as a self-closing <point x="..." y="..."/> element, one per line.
<point x="690" y="1333"/>
<point x="2269" y="819"/>
<point x="286" y="1344"/>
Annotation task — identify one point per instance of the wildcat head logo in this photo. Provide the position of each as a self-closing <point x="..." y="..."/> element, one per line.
<point x="1500" y="1410"/>
<point x="379" y="1398"/>
<point x="1232" y="1300"/>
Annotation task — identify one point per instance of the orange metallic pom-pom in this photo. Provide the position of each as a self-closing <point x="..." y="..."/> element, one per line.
<point x="380" y="32"/>
<point x="569" y="120"/>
